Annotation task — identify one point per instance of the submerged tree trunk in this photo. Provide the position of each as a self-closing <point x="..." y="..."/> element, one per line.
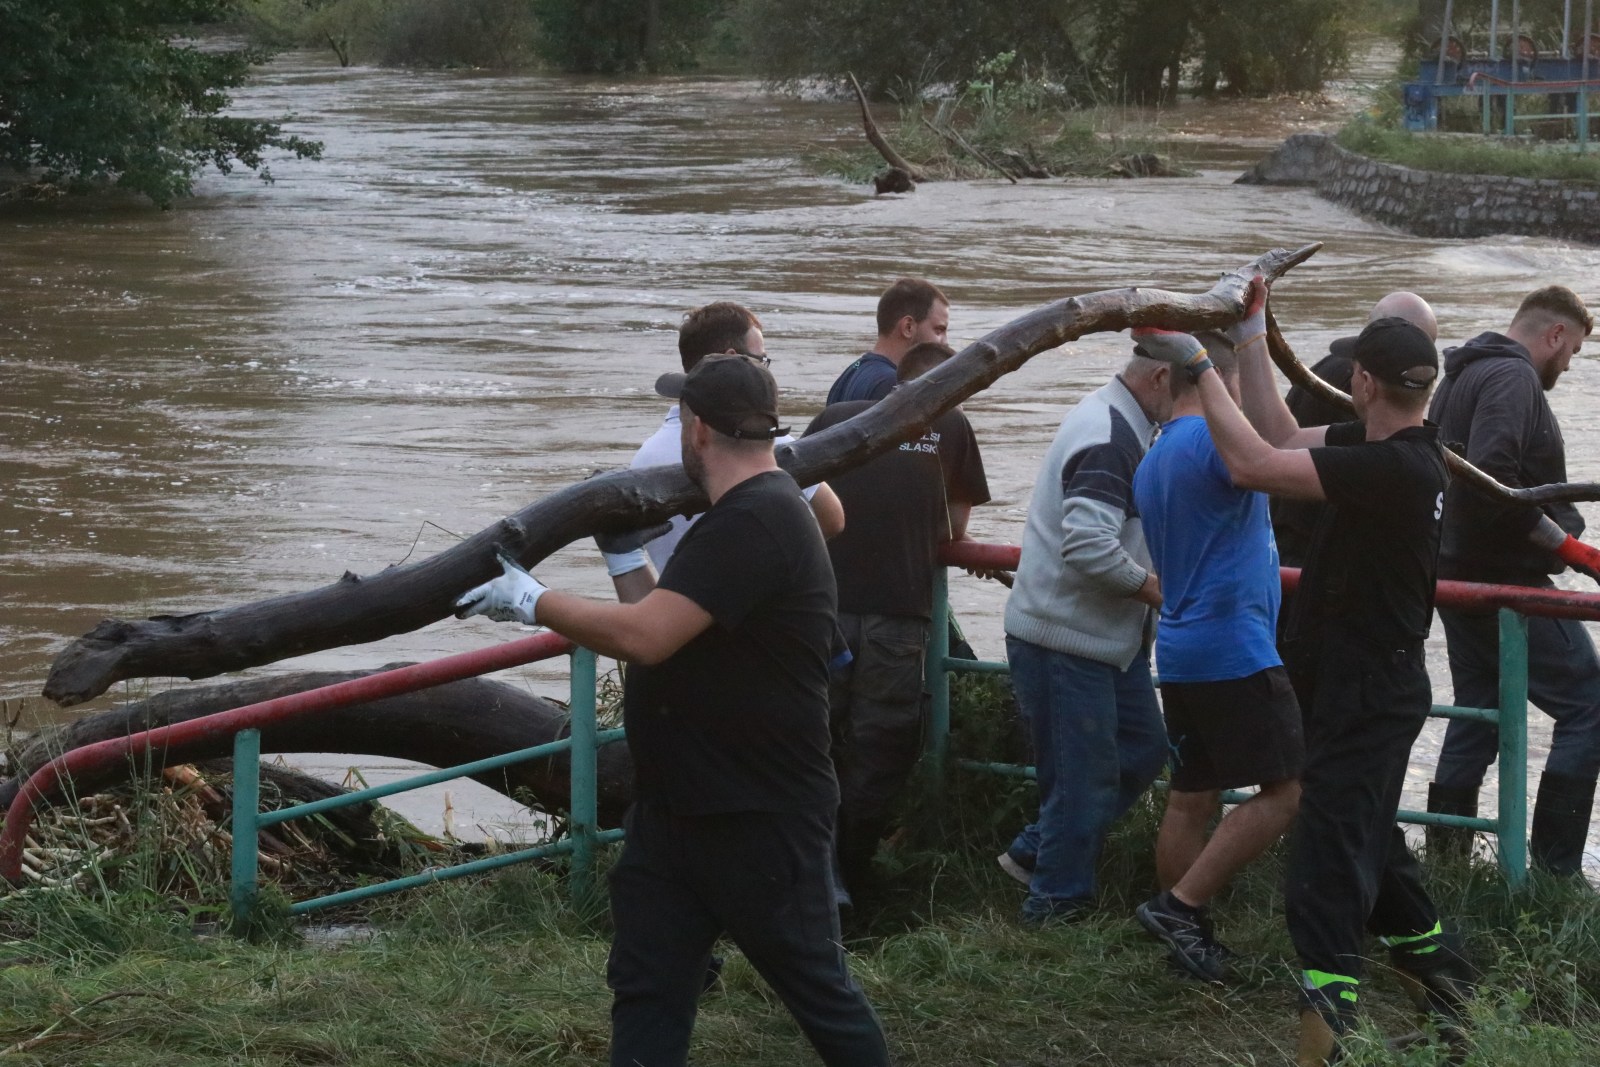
<point x="444" y="726"/>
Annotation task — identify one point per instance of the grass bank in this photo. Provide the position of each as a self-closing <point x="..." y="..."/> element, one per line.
<point x="1470" y="154"/>
<point x="500" y="971"/>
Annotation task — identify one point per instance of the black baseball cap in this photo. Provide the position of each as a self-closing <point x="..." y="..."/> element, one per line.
<point x="1398" y="352"/>
<point x="735" y="395"/>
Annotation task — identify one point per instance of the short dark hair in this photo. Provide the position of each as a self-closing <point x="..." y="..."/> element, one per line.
<point x="1557" y="300"/>
<point x="908" y="296"/>
<point x="1223" y="357"/>
<point x="714" y="329"/>
<point x="921" y="359"/>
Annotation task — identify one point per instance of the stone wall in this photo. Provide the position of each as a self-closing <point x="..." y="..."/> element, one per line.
<point x="1430" y="203"/>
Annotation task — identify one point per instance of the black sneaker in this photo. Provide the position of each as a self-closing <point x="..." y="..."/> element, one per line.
<point x="1190" y="947"/>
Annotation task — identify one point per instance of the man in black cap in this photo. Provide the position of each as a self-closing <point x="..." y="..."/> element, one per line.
<point x="1355" y="652"/>
<point x="726" y="707"/>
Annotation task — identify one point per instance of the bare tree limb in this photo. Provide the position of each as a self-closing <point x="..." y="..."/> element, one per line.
<point x="949" y="134"/>
<point x="401" y="599"/>
<point x="885" y="149"/>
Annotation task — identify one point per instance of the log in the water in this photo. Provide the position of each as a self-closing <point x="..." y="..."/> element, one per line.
<point x="1299" y="374"/>
<point x="447" y="725"/>
<point x="401" y="599"/>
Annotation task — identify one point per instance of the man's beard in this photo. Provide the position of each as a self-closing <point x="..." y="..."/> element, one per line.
<point x="694" y="467"/>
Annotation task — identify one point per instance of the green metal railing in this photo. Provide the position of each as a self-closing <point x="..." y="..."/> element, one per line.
<point x="583" y="741"/>
<point x="1509" y="826"/>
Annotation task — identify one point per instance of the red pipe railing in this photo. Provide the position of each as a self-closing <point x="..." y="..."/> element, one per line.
<point x="19" y="818"/>
<point x="1466" y="596"/>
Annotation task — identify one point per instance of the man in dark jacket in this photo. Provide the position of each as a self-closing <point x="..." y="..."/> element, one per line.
<point x="1491" y="407"/>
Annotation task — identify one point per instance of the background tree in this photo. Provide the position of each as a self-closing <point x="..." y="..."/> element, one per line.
<point x="106" y="90"/>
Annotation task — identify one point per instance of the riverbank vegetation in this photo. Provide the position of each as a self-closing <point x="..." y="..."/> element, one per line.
<point x="503" y="970"/>
<point x="99" y="92"/>
<point x="1469" y="153"/>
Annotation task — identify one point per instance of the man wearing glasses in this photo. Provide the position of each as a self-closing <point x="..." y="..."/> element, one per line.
<point x="721" y="328"/>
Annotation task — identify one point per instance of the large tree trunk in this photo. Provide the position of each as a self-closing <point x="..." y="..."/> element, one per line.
<point x="443" y="726"/>
<point x="401" y="599"/>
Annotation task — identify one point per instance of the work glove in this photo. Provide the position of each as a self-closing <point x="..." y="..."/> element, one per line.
<point x="1183" y="351"/>
<point x="510" y="597"/>
<point x="624" y="552"/>
<point x="1585" y="559"/>
<point x="1253" y="326"/>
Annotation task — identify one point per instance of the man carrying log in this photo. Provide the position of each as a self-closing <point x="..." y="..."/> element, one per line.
<point x="1492" y="403"/>
<point x="1078" y="625"/>
<point x="902" y="505"/>
<point x="726" y="708"/>
<point x="719" y="328"/>
<point x="1232" y="719"/>
<point x="1355" y="653"/>
<point x="910" y="312"/>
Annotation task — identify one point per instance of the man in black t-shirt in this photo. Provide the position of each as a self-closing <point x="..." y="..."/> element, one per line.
<point x="1294" y="521"/>
<point x="1355" y="652"/>
<point x="901" y="505"/>
<point x="726" y="709"/>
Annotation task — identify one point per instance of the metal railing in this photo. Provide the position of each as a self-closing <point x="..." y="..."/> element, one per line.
<point x="1512" y="603"/>
<point x="585" y="739"/>
<point x="243" y="724"/>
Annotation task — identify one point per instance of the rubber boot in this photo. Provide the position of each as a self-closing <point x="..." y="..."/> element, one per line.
<point x="1326" y="1015"/>
<point x="1450" y="843"/>
<point x="1561" y="823"/>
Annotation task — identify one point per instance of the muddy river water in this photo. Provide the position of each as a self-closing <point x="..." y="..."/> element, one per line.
<point x="464" y="305"/>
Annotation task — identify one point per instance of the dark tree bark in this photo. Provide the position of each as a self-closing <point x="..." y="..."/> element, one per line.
<point x="401" y="599"/>
<point x="444" y="726"/>
<point x="895" y="160"/>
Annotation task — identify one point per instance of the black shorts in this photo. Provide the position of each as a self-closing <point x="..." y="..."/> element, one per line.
<point x="1239" y="732"/>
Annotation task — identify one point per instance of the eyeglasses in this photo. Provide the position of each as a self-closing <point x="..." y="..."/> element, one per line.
<point x="765" y="361"/>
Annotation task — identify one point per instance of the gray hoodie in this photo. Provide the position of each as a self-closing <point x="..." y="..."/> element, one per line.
<point x="1491" y="408"/>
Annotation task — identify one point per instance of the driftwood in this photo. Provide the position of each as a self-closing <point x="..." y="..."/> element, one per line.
<point x="895" y="160"/>
<point x="961" y="144"/>
<point x="1299" y="374"/>
<point x="401" y="599"/>
<point x="449" y="724"/>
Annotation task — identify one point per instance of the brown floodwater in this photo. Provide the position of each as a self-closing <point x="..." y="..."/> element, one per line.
<point x="463" y="306"/>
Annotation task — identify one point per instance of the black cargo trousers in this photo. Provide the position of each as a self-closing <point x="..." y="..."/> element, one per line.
<point x="1349" y="867"/>
<point x="762" y="878"/>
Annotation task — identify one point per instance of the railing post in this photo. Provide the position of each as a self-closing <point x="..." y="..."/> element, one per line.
<point x="1512" y="807"/>
<point x="585" y="761"/>
<point x="937" y="678"/>
<point x="246" y="806"/>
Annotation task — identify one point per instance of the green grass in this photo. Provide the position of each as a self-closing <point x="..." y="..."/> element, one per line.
<point x="500" y="971"/>
<point x="1463" y="154"/>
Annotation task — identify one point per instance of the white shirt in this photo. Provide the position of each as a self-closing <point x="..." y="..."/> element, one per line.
<point x="664" y="448"/>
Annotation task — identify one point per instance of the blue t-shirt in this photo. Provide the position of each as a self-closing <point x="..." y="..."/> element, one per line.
<point x="1213" y="550"/>
<point x="868" y="378"/>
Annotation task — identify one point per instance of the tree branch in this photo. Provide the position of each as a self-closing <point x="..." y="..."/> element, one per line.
<point x="886" y="150"/>
<point x="398" y="600"/>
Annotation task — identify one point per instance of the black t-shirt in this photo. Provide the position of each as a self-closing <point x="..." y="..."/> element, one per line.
<point x="1294" y="521"/>
<point x="1374" y="557"/>
<point x="896" y="513"/>
<point x="737" y="719"/>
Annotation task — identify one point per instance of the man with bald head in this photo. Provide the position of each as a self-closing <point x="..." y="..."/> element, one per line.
<point x="1491" y="405"/>
<point x="1294" y="521"/>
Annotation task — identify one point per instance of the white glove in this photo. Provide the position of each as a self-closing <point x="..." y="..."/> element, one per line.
<point x="1253" y="327"/>
<point x="1183" y="351"/>
<point x="511" y="597"/>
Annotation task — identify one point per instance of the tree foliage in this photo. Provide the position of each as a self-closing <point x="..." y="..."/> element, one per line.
<point x="106" y="90"/>
<point x="611" y="36"/>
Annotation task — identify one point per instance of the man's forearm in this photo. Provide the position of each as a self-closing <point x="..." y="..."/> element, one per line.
<point x="1264" y="406"/>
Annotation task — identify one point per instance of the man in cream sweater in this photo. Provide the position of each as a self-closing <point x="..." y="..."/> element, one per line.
<point x="1078" y="630"/>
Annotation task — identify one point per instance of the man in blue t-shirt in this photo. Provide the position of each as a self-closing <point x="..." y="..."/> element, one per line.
<point x="1232" y="718"/>
<point x="910" y="312"/>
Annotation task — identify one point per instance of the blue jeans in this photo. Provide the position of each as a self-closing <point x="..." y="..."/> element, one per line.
<point x="1098" y="742"/>
<point x="1563" y="682"/>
